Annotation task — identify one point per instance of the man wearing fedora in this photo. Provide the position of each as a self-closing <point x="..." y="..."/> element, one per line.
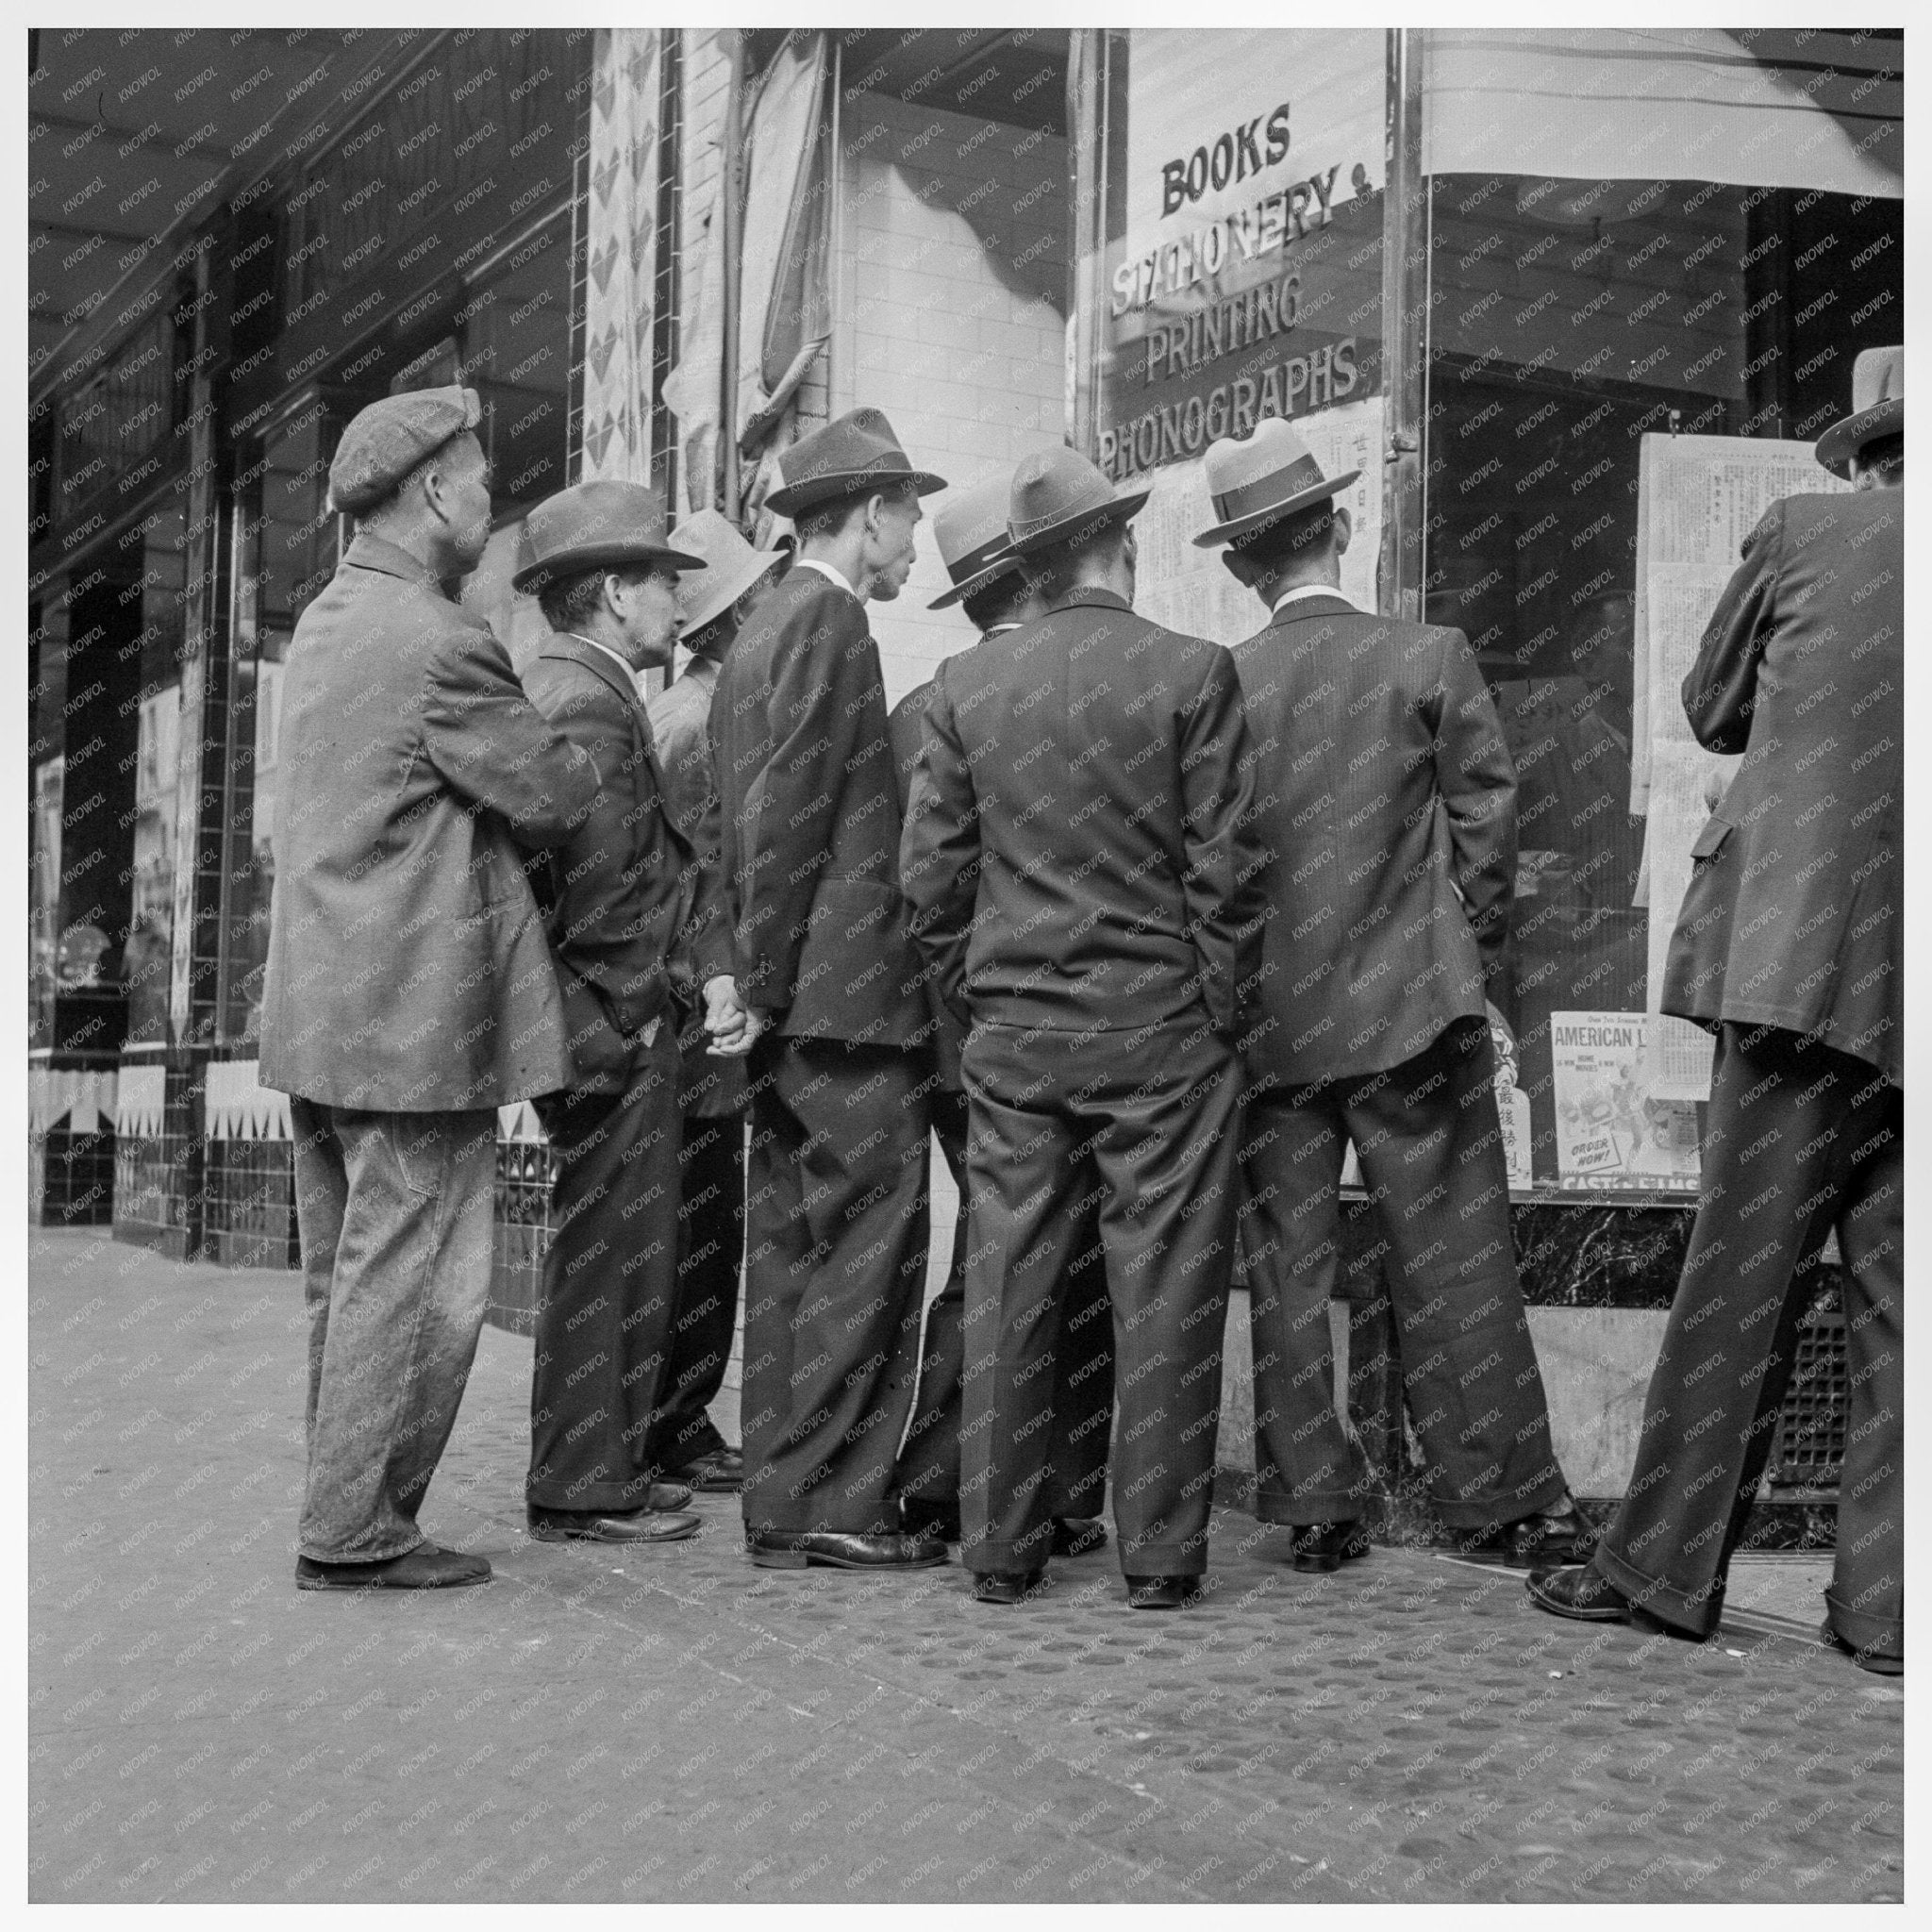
<point x="1788" y="947"/>
<point x="1086" y="889"/>
<point x="409" y="992"/>
<point x="997" y="596"/>
<point x="711" y="606"/>
<point x="1388" y="808"/>
<point x="597" y="558"/>
<point x="836" y="1209"/>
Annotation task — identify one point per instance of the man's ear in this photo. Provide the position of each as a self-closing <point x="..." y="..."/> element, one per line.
<point x="1345" y="528"/>
<point x="1238" y="568"/>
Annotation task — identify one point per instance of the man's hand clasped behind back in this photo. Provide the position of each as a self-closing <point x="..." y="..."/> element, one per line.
<point x="732" y="1024"/>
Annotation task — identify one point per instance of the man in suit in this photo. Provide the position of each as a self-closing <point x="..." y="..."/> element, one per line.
<point x="712" y="1099"/>
<point x="1387" y="802"/>
<point x="836" y="1210"/>
<point x="997" y="596"/>
<point x="598" y="561"/>
<point x="408" y="991"/>
<point x="1788" y="947"/>
<point x="1087" y="893"/>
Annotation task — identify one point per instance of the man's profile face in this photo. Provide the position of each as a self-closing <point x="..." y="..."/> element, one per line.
<point x="466" y="506"/>
<point x="895" y="520"/>
<point x="650" y="618"/>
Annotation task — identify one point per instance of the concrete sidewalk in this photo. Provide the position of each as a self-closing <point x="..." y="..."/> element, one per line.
<point x="678" y="1726"/>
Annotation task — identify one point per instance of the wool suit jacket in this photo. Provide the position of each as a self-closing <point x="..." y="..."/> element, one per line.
<point x="711" y="1085"/>
<point x="810" y="820"/>
<point x="1387" y="801"/>
<point x="620" y="891"/>
<point x="407" y="965"/>
<point x="1079" y="852"/>
<point x="1794" y="911"/>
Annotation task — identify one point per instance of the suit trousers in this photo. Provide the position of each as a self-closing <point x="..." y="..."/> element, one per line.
<point x="395" y="1213"/>
<point x="600" y="1383"/>
<point x="1083" y="1370"/>
<point x="1799" y="1139"/>
<point x="711" y="1252"/>
<point x="835" y="1270"/>
<point x="1432" y="1159"/>
<point x="1146" y="1121"/>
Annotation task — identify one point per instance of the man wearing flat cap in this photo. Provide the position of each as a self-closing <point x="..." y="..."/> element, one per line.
<point x="712" y="1098"/>
<point x="409" y="992"/>
<point x="1389" y="811"/>
<point x="1788" y="947"/>
<point x="1085" y="890"/>
<point x="621" y="894"/>
<point x="997" y="596"/>
<point x="836" y="1221"/>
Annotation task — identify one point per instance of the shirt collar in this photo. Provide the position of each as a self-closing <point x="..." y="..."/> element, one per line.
<point x="622" y="663"/>
<point x="993" y="630"/>
<point x="1303" y="591"/>
<point x="827" y="570"/>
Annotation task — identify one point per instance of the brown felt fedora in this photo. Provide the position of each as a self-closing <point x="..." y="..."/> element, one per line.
<point x="1059" y="497"/>
<point x="601" y="525"/>
<point x="852" y="455"/>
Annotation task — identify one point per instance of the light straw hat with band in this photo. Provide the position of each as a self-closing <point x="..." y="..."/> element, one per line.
<point x="971" y="531"/>
<point x="732" y="568"/>
<point x="1878" y="407"/>
<point x="1267" y="475"/>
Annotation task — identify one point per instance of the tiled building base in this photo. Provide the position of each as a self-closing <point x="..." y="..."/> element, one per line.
<point x="71" y="1178"/>
<point x="248" y="1204"/>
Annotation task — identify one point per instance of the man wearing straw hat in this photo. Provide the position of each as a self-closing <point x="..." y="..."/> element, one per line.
<point x="836" y="1204"/>
<point x="1788" y="947"/>
<point x="1086" y="888"/>
<point x="997" y="596"/>
<point x="597" y="558"/>
<point x="1388" y="804"/>
<point x="711" y="606"/>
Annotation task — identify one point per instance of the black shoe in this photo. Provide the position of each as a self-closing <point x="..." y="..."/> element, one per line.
<point x="718" y="1474"/>
<point x="1006" y="1586"/>
<point x="1320" y="1547"/>
<point x="1578" y="1592"/>
<point x="919" y="1516"/>
<point x="425" y="1567"/>
<point x="793" y="1549"/>
<point x="1074" y="1536"/>
<point x="1880" y="1663"/>
<point x="1165" y="1592"/>
<point x="611" y="1525"/>
<point x="1542" y="1541"/>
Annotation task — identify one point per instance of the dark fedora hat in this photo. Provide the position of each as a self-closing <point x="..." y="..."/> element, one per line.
<point x="970" y="529"/>
<point x="1059" y="497"/>
<point x="732" y="566"/>
<point x="1878" y="407"/>
<point x="600" y="526"/>
<point x="1266" y="475"/>
<point x="855" y="455"/>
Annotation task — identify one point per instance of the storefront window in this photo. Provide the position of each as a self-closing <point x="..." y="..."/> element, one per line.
<point x="285" y="553"/>
<point x="1620" y="373"/>
<point x="1238" y="229"/>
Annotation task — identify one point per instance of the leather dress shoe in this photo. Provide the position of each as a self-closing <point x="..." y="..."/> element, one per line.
<point x="1550" y="1538"/>
<point x="1006" y="1586"/>
<point x="793" y="1549"/>
<point x="611" y="1525"/>
<point x="1880" y="1663"/>
<point x="921" y="1516"/>
<point x="1578" y="1592"/>
<point x="660" y="1496"/>
<point x="1165" y="1592"/>
<point x="1074" y="1536"/>
<point x="425" y="1567"/>
<point x="718" y="1474"/>
<point x="1320" y="1547"/>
